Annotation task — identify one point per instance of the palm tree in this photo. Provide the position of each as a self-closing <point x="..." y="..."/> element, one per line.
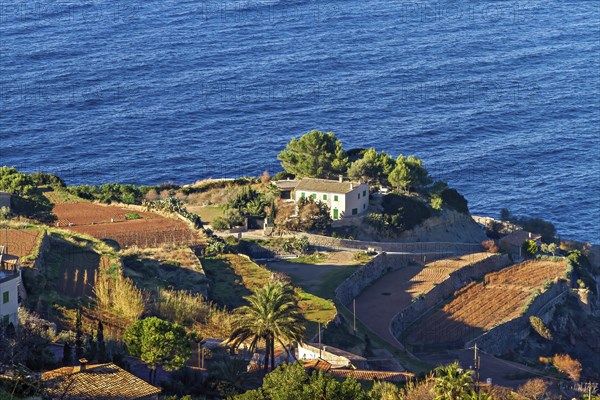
<point x="273" y="314"/>
<point x="451" y="382"/>
<point x="481" y="395"/>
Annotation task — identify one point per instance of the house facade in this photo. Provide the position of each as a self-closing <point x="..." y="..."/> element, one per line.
<point x="5" y="199"/>
<point x="10" y="279"/>
<point x="337" y="358"/>
<point x="513" y="242"/>
<point x="344" y="198"/>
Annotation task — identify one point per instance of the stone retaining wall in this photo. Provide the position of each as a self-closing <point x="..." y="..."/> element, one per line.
<point x="408" y="247"/>
<point x="443" y="290"/>
<point x="38" y="261"/>
<point x="375" y="269"/>
<point x="505" y="337"/>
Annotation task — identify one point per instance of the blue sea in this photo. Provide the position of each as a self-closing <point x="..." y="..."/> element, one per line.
<point x="500" y="98"/>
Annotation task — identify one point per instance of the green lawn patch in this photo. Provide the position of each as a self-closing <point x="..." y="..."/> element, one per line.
<point x="132" y="215"/>
<point x="207" y="213"/>
<point x="234" y="276"/>
<point x="314" y="258"/>
<point x="319" y="279"/>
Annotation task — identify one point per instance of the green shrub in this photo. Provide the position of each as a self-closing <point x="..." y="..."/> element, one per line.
<point x="220" y="224"/>
<point x="174" y="205"/>
<point x="110" y="192"/>
<point x="455" y="200"/>
<point x="403" y="212"/>
<point x="182" y="307"/>
<point x="538" y="325"/>
<point x="530" y="247"/>
<point x="436" y="202"/>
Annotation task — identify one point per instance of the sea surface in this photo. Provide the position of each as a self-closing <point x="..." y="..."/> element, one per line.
<point x="500" y="98"/>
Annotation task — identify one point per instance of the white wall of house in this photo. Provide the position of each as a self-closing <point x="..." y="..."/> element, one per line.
<point x="307" y="352"/>
<point x="344" y="203"/>
<point x="5" y="199"/>
<point x="9" y="301"/>
<point x="357" y="200"/>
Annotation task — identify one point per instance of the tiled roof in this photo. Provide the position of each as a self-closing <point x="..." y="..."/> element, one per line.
<point x="366" y="375"/>
<point x="319" y="364"/>
<point x="326" y="185"/>
<point x="99" y="381"/>
<point x="286" y="184"/>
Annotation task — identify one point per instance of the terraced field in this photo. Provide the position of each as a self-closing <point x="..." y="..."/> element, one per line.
<point x="19" y="242"/>
<point x="478" y="307"/>
<point x="126" y="227"/>
<point x="379" y="303"/>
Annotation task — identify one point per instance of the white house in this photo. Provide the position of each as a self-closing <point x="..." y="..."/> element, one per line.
<point x="5" y="199"/>
<point x="336" y="357"/>
<point x="343" y="198"/>
<point x="10" y="279"/>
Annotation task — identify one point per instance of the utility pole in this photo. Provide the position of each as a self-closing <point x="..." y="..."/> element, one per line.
<point x="476" y="365"/>
<point x="320" y="347"/>
<point x="354" y="314"/>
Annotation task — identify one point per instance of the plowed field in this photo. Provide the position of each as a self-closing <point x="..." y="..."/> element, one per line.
<point x="110" y="222"/>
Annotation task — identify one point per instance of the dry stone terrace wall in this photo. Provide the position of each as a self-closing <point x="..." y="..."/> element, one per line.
<point x="375" y="269"/>
<point x="435" y="296"/>
<point x="412" y="247"/>
<point x="38" y="262"/>
<point x="505" y="337"/>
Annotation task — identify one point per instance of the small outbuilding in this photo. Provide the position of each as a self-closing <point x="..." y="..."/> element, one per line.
<point x="337" y="358"/>
<point x="513" y="242"/>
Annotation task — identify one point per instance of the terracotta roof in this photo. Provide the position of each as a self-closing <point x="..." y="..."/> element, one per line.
<point x="99" y="381"/>
<point x="286" y="184"/>
<point x="365" y="375"/>
<point x="517" y="238"/>
<point x="319" y="364"/>
<point x="326" y="185"/>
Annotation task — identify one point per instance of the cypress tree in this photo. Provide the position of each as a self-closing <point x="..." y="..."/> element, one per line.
<point x="78" y="336"/>
<point x="102" y="356"/>
<point x="92" y="348"/>
<point x="67" y="354"/>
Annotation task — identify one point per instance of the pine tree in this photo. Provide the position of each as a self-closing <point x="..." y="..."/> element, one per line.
<point x="78" y="336"/>
<point x="102" y="356"/>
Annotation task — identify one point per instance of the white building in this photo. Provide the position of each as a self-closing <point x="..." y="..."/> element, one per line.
<point x="5" y="199"/>
<point x="343" y="198"/>
<point x="10" y="279"/>
<point x="336" y="357"/>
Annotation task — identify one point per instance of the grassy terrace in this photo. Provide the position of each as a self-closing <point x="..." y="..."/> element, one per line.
<point x="233" y="277"/>
<point x="207" y="213"/>
<point x="164" y="268"/>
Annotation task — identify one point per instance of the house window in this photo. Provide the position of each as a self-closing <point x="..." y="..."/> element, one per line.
<point x="359" y="195"/>
<point x="364" y="193"/>
<point x="354" y="211"/>
<point x="364" y="206"/>
<point x="5" y="297"/>
<point x="303" y="195"/>
<point x="324" y="197"/>
<point x="335" y="197"/>
<point x="313" y="196"/>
